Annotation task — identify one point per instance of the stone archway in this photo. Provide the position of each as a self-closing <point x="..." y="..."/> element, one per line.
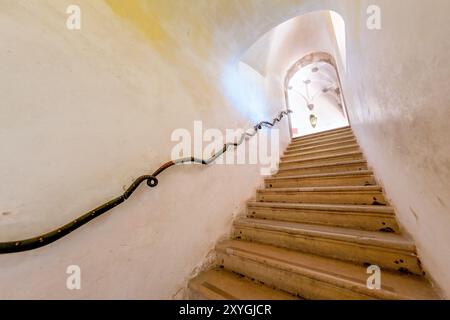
<point x="317" y="76"/>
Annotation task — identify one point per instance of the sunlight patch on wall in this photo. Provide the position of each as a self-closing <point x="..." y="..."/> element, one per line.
<point x="244" y="88"/>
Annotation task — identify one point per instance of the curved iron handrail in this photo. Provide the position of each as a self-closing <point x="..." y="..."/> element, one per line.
<point x="152" y="181"/>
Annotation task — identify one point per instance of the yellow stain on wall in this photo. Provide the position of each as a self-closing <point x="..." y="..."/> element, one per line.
<point x="147" y="19"/>
<point x="229" y="10"/>
<point x="181" y="32"/>
<point x="189" y="29"/>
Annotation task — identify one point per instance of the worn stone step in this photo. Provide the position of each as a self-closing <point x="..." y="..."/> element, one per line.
<point x="339" y="166"/>
<point x="315" y="277"/>
<point x="319" y="160"/>
<point x="294" y="150"/>
<point x="219" y="284"/>
<point x="371" y="218"/>
<point x="371" y="195"/>
<point x="323" y="133"/>
<point x="305" y="140"/>
<point x="353" y="178"/>
<point x="387" y="250"/>
<point x="317" y="153"/>
<point x="321" y="141"/>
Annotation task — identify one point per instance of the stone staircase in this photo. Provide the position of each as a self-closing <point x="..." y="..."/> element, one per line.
<point x="312" y="232"/>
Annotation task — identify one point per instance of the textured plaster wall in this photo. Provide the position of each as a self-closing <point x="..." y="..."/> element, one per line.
<point x="397" y="82"/>
<point x="85" y="112"/>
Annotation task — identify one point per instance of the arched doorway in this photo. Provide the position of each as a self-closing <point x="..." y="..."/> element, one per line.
<point x="319" y="37"/>
<point x="313" y="92"/>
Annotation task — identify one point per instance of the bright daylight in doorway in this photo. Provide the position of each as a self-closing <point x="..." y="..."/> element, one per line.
<point x="316" y="98"/>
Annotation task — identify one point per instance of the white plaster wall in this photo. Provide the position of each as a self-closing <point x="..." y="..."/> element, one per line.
<point x="397" y="82"/>
<point x="83" y="113"/>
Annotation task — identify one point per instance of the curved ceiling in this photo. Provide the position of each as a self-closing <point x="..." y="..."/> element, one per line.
<point x="277" y="50"/>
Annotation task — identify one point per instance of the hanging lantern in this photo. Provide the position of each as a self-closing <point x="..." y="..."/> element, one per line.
<point x="311" y="106"/>
<point x="313" y="120"/>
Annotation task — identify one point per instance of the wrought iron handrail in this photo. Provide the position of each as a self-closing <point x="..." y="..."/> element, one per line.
<point x="152" y="181"/>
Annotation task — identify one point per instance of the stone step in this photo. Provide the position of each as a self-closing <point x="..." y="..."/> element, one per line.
<point x="323" y="133"/>
<point x="387" y="250"/>
<point x="317" y="153"/>
<point x="342" y="166"/>
<point x="353" y="178"/>
<point x="371" y="195"/>
<point x="341" y="157"/>
<point x="294" y="150"/>
<point x="321" y="141"/>
<point x="219" y="284"/>
<point x="370" y="218"/>
<point x="315" y="277"/>
<point x="323" y="137"/>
